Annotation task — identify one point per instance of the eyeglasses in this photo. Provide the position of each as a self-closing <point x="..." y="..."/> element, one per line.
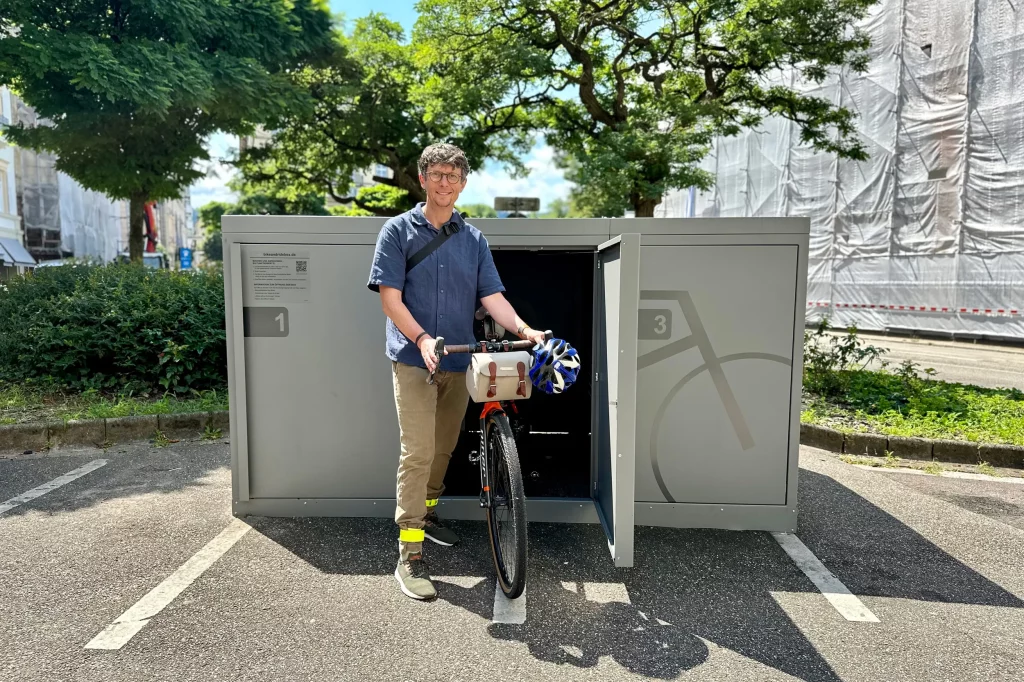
<point x="453" y="178"/>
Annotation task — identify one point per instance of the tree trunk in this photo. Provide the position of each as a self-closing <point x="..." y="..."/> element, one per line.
<point x="644" y="206"/>
<point x="136" y="227"/>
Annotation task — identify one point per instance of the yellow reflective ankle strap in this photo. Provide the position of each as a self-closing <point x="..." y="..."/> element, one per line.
<point x="410" y="535"/>
<point x="431" y="503"/>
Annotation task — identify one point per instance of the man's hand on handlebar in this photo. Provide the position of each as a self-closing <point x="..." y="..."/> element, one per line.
<point x="536" y="336"/>
<point x="428" y="350"/>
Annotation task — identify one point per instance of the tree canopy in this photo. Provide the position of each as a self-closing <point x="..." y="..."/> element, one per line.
<point x="132" y="89"/>
<point x="634" y="91"/>
<point x="377" y="104"/>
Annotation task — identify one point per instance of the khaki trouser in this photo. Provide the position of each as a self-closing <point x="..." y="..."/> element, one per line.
<point x="429" y="417"/>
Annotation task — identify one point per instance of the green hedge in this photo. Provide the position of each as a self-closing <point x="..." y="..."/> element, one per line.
<point x="113" y="327"/>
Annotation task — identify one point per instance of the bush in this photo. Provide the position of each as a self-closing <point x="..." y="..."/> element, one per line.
<point x="829" y="360"/>
<point x="114" y="327"/>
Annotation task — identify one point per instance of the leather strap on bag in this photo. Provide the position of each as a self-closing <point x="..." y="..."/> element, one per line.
<point x="446" y="231"/>
<point x="492" y="390"/>
<point x="521" y="366"/>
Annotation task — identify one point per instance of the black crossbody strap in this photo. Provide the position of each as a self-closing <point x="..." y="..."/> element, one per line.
<point x="442" y="236"/>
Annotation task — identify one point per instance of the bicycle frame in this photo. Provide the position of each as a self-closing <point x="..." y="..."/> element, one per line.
<point x="491" y="345"/>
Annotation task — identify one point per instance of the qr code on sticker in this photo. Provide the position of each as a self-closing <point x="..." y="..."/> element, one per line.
<point x="300" y="265"/>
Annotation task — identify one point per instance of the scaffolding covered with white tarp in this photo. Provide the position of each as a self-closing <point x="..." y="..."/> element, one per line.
<point x="928" y="234"/>
<point x="61" y="218"/>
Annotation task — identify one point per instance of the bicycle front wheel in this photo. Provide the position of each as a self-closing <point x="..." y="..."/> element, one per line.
<point x="506" y="515"/>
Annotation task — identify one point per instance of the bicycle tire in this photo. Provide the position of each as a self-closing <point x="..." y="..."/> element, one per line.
<point x="506" y="482"/>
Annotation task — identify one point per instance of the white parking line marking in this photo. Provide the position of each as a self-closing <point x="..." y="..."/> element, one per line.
<point x="849" y="606"/>
<point x="945" y="474"/>
<point x="510" y="611"/>
<point x="52" y="485"/>
<point x="117" y="634"/>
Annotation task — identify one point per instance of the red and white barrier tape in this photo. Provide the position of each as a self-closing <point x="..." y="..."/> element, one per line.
<point x="915" y="308"/>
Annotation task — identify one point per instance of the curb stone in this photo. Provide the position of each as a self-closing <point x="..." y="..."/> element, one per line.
<point x="1003" y="455"/>
<point x="950" y="451"/>
<point x="910" y="448"/>
<point x="23" y="437"/>
<point x="956" y="451"/>
<point x="76" y="432"/>
<point x="866" y="444"/>
<point x="821" y="437"/>
<point x="121" y="429"/>
<point x="221" y="420"/>
<point x="183" y="425"/>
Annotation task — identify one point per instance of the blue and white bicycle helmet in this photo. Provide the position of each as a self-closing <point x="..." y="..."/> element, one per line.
<point x="556" y="365"/>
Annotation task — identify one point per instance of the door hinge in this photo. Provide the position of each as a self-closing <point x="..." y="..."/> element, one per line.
<point x="596" y="376"/>
<point x="599" y="265"/>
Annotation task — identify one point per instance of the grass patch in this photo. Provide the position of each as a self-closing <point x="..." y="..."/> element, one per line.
<point x="925" y="408"/>
<point x="988" y="469"/>
<point x="21" y="403"/>
<point x="933" y="468"/>
<point x="839" y="392"/>
<point x="212" y="433"/>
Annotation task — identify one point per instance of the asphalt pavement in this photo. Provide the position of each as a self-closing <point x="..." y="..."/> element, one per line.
<point x="936" y="561"/>
<point x="963" y="362"/>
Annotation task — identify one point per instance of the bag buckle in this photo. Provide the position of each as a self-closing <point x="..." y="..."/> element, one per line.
<point x="521" y="366"/>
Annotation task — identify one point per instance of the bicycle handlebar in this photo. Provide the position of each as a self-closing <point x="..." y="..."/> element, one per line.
<point x="482" y="347"/>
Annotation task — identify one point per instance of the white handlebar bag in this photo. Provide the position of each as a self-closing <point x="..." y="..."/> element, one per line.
<point x="494" y="377"/>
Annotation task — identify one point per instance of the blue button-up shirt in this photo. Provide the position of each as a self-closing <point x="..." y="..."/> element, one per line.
<point x="443" y="291"/>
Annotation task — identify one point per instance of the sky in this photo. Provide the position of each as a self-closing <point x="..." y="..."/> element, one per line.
<point x="545" y="180"/>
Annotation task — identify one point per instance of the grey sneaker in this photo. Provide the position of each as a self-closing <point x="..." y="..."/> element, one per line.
<point x="414" y="579"/>
<point x="438" y="532"/>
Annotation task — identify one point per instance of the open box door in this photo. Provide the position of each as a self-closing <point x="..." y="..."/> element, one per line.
<point x="616" y="302"/>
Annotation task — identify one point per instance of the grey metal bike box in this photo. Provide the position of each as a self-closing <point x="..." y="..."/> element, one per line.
<point x="695" y="376"/>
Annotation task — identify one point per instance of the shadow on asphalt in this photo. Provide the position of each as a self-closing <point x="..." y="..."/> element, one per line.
<point x="704" y="585"/>
<point x="874" y="554"/>
<point x="712" y="585"/>
<point x="132" y="469"/>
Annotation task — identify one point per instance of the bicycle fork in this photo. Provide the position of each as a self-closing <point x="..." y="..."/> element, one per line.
<point x="479" y="457"/>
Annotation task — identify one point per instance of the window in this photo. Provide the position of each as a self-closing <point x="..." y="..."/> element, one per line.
<point x="5" y="200"/>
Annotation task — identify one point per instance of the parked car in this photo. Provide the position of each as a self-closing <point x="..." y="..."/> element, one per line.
<point x="156" y="261"/>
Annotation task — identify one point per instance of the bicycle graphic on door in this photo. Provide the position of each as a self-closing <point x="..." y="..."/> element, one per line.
<point x="655" y="324"/>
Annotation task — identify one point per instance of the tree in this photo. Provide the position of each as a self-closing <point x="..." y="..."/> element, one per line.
<point x="478" y="211"/>
<point x="377" y="105"/>
<point x="213" y="246"/>
<point x="132" y="89"/>
<point x="656" y="80"/>
<point x="210" y="214"/>
<point x="376" y="200"/>
<point x="557" y="208"/>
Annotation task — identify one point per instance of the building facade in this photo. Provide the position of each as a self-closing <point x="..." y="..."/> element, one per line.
<point x="928" y="234"/>
<point x="10" y="223"/>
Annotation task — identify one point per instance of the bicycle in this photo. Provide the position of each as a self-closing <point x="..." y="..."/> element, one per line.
<point x="502" y="494"/>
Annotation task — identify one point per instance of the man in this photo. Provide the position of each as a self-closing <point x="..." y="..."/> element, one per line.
<point x="436" y="297"/>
